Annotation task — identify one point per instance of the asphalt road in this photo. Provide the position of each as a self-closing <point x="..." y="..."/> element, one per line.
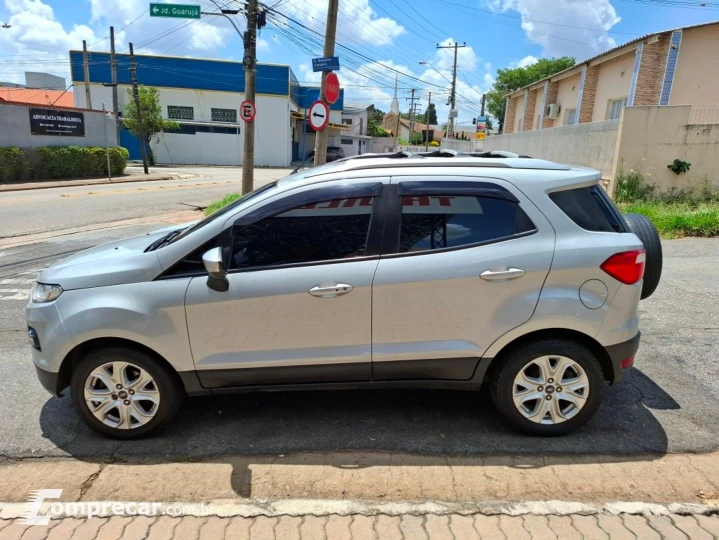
<point x="668" y="403"/>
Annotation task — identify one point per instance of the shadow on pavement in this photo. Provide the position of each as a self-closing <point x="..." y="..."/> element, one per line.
<point x="427" y="423"/>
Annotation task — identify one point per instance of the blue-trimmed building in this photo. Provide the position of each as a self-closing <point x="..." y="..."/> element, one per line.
<point x="204" y="97"/>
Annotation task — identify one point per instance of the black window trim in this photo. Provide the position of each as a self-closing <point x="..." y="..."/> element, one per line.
<point x="393" y="213"/>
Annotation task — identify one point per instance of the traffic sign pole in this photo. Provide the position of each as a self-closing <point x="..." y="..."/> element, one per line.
<point x="329" y="51"/>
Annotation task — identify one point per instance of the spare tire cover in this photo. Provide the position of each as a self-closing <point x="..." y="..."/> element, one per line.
<point x="643" y="227"/>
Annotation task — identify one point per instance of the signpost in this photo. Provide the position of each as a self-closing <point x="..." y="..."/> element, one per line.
<point x="247" y="111"/>
<point x="481" y="128"/>
<point x="55" y="122"/>
<point x="332" y="88"/>
<point x="175" y="11"/>
<point x="319" y="115"/>
<point x="329" y="63"/>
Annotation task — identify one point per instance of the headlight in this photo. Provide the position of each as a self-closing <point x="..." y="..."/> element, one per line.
<point x="42" y="293"/>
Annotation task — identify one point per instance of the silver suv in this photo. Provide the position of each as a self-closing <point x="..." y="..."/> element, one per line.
<point x="435" y="270"/>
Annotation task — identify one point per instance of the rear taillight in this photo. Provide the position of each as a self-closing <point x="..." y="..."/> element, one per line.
<point x="627" y="267"/>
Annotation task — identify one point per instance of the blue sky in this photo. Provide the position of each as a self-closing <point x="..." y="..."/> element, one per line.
<point x="396" y="33"/>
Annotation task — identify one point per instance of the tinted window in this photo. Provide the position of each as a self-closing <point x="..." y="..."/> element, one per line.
<point x="329" y="230"/>
<point x="435" y="222"/>
<point x="590" y="208"/>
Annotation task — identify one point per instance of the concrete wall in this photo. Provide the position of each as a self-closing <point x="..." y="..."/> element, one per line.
<point x="615" y="78"/>
<point x="15" y="122"/>
<point x="567" y="94"/>
<point x="653" y="137"/>
<point x="273" y="135"/>
<point x="696" y="79"/>
<point x="589" y="145"/>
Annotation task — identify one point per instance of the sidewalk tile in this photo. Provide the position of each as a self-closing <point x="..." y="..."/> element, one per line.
<point x="14" y="530"/>
<point x="412" y="527"/>
<point x="214" y="528"/>
<point x="238" y="528"/>
<point x="588" y="527"/>
<point x="139" y="527"/>
<point x="538" y="527"/>
<point x="689" y="526"/>
<point x="5" y="523"/>
<point x="313" y="528"/>
<point x="513" y="528"/>
<point x="437" y="528"/>
<point x="562" y="526"/>
<point x="113" y="528"/>
<point x="189" y="528"/>
<point x="463" y="527"/>
<point x="162" y="529"/>
<point x="488" y="527"/>
<point x="89" y="528"/>
<point x="362" y="528"/>
<point x="39" y="532"/>
<point x="387" y="528"/>
<point x="710" y="524"/>
<point x="664" y="526"/>
<point x="288" y="528"/>
<point x="639" y="526"/>
<point x="64" y="529"/>
<point x="263" y="528"/>
<point x="613" y="526"/>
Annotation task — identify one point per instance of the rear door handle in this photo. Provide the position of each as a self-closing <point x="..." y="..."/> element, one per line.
<point x="330" y="291"/>
<point x="502" y="275"/>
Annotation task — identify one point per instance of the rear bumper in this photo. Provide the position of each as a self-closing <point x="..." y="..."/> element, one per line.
<point x="620" y="352"/>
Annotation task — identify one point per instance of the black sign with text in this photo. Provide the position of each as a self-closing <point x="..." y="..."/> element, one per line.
<point x="56" y="122"/>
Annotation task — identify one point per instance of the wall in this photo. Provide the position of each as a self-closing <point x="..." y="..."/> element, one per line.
<point x="380" y="145"/>
<point x="519" y="111"/>
<point x="589" y="145"/>
<point x="696" y="79"/>
<point x="16" y="129"/>
<point x="180" y="149"/>
<point x="653" y="137"/>
<point x="567" y="93"/>
<point x="615" y="78"/>
<point x="539" y="93"/>
<point x="651" y="71"/>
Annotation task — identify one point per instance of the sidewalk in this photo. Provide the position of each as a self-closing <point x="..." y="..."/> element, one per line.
<point x="132" y="174"/>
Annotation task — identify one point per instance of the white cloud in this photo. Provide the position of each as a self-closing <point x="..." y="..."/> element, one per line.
<point x="525" y="62"/>
<point x="566" y="36"/>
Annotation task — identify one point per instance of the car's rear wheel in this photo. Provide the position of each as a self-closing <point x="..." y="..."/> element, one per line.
<point x="124" y="393"/>
<point x="643" y="227"/>
<point x="548" y="387"/>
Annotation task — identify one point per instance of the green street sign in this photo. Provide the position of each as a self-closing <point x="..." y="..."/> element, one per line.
<point x="175" y="11"/>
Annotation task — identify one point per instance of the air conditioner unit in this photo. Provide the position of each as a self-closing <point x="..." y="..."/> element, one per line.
<point x="552" y="111"/>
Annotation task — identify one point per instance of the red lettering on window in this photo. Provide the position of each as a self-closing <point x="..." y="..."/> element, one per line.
<point x="422" y="200"/>
<point x="444" y="200"/>
<point x="366" y="201"/>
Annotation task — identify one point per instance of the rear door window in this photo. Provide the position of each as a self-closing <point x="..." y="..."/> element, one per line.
<point x="590" y="208"/>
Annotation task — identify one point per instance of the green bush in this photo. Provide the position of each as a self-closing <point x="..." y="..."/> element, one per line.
<point x="51" y="162"/>
<point x="632" y="186"/>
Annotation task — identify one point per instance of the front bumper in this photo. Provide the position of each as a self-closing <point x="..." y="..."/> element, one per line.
<point x="620" y="352"/>
<point x="48" y="380"/>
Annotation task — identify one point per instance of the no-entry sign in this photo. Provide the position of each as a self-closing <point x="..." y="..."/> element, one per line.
<point x="332" y="88"/>
<point x="247" y="111"/>
<point x="319" y="115"/>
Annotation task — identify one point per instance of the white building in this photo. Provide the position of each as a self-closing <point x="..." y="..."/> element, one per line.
<point x="204" y="96"/>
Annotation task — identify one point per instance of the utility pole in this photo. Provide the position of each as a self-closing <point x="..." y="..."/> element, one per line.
<point x="113" y="80"/>
<point x="426" y="135"/>
<point x="484" y="99"/>
<point x="136" y="96"/>
<point x="86" y="68"/>
<point x="411" y="116"/>
<point x="329" y="50"/>
<point x="248" y="152"/>
<point x="450" y="131"/>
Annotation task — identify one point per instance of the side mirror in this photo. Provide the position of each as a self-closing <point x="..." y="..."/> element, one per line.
<point x="217" y="280"/>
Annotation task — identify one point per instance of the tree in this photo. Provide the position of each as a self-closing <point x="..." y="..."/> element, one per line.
<point x="431" y="115"/>
<point x="152" y="121"/>
<point x="511" y="79"/>
<point x="374" y="129"/>
<point x="416" y="138"/>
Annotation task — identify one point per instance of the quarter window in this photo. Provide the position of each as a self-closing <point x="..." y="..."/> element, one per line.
<point x="176" y="112"/>
<point x="329" y="230"/>
<point x="436" y="222"/>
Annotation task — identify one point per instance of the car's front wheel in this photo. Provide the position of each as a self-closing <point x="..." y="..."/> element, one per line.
<point x="124" y="393"/>
<point x="548" y="387"/>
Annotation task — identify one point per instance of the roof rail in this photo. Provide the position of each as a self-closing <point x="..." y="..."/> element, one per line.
<point x="496" y="154"/>
<point x="396" y="155"/>
<point x="441" y="152"/>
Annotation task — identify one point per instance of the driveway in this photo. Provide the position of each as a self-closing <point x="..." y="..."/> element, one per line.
<point x="667" y="404"/>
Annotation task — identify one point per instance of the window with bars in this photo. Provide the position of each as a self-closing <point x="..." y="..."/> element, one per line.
<point x="176" y="112"/>
<point x="570" y="117"/>
<point x="614" y="108"/>
<point x="224" y="115"/>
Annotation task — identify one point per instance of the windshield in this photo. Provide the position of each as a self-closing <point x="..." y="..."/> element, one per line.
<point x="224" y="210"/>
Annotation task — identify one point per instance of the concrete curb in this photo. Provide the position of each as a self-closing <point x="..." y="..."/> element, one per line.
<point x="319" y="507"/>
<point x="96" y="181"/>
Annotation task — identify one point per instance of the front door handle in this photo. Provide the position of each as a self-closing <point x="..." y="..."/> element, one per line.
<point x="330" y="291"/>
<point x="502" y="275"/>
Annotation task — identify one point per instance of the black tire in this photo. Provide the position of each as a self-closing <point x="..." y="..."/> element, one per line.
<point x="643" y="227"/>
<point x="170" y="390"/>
<point x="502" y="384"/>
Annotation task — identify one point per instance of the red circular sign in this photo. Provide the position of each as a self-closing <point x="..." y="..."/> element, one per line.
<point x="319" y="115"/>
<point x="332" y="88"/>
<point x="247" y="111"/>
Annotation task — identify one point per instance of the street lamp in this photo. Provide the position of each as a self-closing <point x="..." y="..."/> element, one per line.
<point x="6" y="25"/>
